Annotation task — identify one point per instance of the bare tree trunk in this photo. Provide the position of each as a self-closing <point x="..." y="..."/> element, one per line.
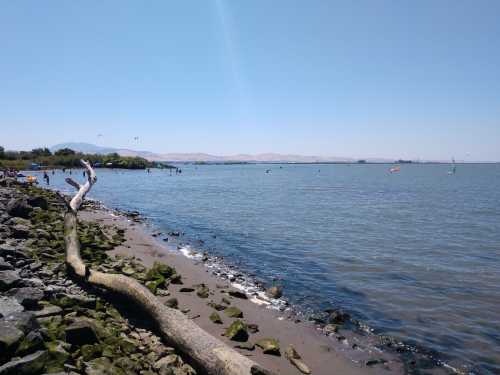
<point x="207" y="352"/>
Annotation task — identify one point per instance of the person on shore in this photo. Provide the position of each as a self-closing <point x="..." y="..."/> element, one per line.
<point x="149" y="170"/>
<point x="83" y="173"/>
<point x="70" y="172"/>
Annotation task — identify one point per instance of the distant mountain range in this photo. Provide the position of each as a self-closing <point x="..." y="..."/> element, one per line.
<point x="200" y="157"/>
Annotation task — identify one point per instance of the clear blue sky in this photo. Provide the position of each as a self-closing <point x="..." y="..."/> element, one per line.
<point x="356" y="78"/>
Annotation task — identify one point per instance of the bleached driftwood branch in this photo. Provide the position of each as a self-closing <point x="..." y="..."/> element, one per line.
<point x="208" y="353"/>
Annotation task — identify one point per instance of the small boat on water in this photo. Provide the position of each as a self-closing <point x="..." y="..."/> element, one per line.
<point x="395" y="169"/>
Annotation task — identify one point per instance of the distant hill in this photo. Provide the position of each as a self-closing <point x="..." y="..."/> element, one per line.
<point x="201" y="157"/>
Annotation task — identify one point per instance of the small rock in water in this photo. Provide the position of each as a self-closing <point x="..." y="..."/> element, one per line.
<point x="337" y="316"/>
<point x="269" y="346"/>
<point x="186" y="290"/>
<point x="331" y="328"/>
<point x="275" y="292"/>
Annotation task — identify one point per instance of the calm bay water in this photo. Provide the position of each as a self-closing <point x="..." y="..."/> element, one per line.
<point x="414" y="254"/>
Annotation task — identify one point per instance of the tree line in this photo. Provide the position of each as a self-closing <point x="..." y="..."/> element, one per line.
<point x="67" y="158"/>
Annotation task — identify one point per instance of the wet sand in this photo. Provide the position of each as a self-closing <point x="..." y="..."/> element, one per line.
<point x="340" y="353"/>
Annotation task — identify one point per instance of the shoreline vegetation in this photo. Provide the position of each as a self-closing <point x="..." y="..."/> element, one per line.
<point x="43" y="158"/>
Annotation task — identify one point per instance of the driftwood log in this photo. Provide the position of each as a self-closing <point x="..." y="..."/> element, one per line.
<point x="208" y="354"/>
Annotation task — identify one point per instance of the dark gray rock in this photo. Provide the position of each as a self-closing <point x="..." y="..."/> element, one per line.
<point x="24" y="321"/>
<point x="81" y="332"/>
<point x="20" y="231"/>
<point x="10" y="337"/>
<point x="237" y="294"/>
<point x="31" y="364"/>
<point x="12" y="250"/>
<point x="18" y="207"/>
<point x="337" y="316"/>
<point x="9" y="279"/>
<point x="38" y="202"/>
<point x="28" y="297"/>
<point x="5" y="265"/>
<point x="30" y="344"/>
<point x="48" y="310"/>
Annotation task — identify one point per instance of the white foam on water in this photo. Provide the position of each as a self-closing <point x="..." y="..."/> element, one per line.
<point x="188" y="252"/>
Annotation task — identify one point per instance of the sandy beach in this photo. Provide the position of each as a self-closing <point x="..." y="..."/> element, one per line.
<point x="343" y="352"/>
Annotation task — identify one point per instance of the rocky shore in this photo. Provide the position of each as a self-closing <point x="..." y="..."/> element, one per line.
<point x="49" y="323"/>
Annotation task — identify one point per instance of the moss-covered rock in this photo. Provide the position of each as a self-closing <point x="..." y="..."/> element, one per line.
<point x="57" y="356"/>
<point x="237" y="331"/>
<point x="269" y="346"/>
<point x="202" y="291"/>
<point x="233" y="312"/>
<point x="214" y="317"/>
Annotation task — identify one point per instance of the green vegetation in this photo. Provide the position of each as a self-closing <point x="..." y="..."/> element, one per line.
<point x="67" y="158"/>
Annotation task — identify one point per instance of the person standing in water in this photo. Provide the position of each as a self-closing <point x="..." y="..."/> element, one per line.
<point x="46" y="177"/>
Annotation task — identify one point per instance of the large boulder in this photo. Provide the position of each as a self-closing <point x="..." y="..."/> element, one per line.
<point x="31" y="364"/>
<point x="9" y="279"/>
<point x="19" y="208"/>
